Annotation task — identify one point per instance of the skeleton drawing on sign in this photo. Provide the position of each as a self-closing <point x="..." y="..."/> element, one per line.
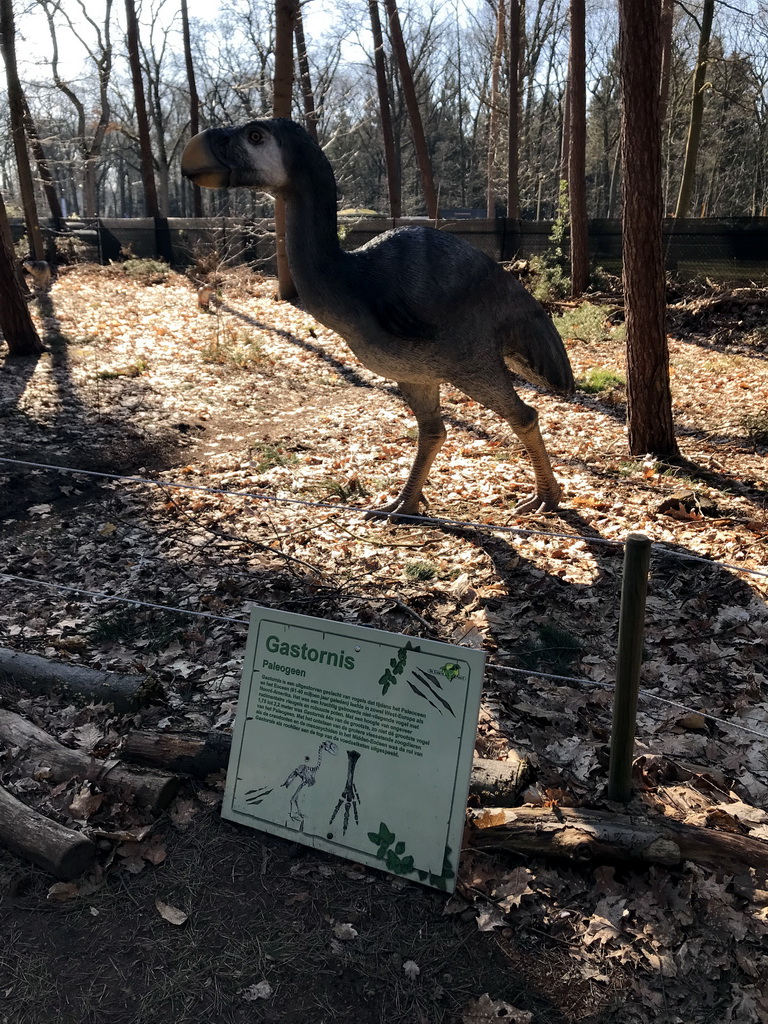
<point x="307" y="776"/>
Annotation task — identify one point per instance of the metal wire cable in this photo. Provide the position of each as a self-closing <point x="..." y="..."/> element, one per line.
<point x="426" y="520"/>
<point x="581" y="680"/>
<point x="353" y="510"/>
<point x="586" y="681"/>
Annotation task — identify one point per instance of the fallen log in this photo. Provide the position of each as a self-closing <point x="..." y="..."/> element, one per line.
<point x="38" y="675"/>
<point x="53" y="847"/>
<point x="584" y="835"/>
<point x="193" y="753"/>
<point x="151" y="789"/>
<point x="201" y="754"/>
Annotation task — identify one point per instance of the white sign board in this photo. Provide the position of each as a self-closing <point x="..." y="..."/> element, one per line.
<point x="356" y="741"/>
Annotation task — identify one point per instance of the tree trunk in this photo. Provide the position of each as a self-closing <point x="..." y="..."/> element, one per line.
<point x="649" y="401"/>
<point x="285" y="22"/>
<point x="194" y="102"/>
<point x="60" y="851"/>
<point x="16" y="324"/>
<point x="493" y="119"/>
<point x="39" y="675"/>
<point x="667" y="22"/>
<point x="697" y="112"/>
<point x="151" y="789"/>
<point x="577" y="150"/>
<point x="414" y="115"/>
<point x="142" y="119"/>
<point x="43" y="168"/>
<point x="582" y="835"/>
<point x="310" y="114"/>
<point x="385" y="110"/>
<point x="16" y="110"/>
<point x="516" y="30"/>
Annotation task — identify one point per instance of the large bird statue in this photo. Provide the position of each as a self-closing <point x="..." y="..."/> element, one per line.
<point x="416" y="305"/>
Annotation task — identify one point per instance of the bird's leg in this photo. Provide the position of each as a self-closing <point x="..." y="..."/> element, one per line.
<point x="495" y="391"/>
<point x="424" y="400"/>
<point x="548" y="490"/>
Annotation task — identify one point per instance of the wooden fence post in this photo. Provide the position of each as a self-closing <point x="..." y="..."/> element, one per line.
<point x="637" y="556"/>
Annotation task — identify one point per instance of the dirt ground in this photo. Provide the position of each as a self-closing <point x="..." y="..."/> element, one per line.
<point x="282" y="439"/>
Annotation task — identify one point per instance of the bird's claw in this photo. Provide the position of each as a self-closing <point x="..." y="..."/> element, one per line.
<point x="398" y="510"/>
<point x="538" y="503"/>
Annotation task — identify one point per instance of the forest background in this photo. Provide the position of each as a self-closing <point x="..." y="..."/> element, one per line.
<point x="77" y="82"/>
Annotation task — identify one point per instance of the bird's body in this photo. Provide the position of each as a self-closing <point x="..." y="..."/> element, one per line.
<point x="416" y="305"/>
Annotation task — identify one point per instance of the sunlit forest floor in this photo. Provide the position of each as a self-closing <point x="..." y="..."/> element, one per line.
<point x="285" y="440"/>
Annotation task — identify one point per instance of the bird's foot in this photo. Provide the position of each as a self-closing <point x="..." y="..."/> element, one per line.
<point x="399" y="510"/>
<point x="540" y="502"/>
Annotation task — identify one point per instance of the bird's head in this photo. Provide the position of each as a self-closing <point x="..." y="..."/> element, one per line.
<point x="262" y="154"/>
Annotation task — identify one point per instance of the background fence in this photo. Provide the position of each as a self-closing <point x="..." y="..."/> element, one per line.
<point x="734" y="249"/>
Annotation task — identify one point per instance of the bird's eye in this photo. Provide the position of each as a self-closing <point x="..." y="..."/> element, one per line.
<point x="255" y="136"/>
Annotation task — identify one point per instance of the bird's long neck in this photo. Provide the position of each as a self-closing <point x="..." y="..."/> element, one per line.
<point x="312" y="240"/>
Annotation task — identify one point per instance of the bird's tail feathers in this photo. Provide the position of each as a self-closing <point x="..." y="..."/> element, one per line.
<point x="536" y="352"/>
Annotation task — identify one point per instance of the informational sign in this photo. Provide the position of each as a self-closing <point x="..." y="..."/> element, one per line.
<point x="356" y="741"/>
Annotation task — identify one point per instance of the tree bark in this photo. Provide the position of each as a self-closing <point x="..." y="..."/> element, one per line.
<point x="493" y="119"/>
<point x="142" y="119"/>
<point x="414" y="114"/>
<point x="285" y="22"/>
<point x="385" y="111"/>
<point x="16" y="110"/>
<point x="39" y="675"/>
<point x="577" y="150"/>
<point x="584" y="835"/>
<point x="667" y="23"/>
<point x="516" y="30"/>
<point x="194" y="101"/>
<point x="43" y="167"/>
<point x="310" y="114"/>
<point x="60" y="851"/>
<point x="649" y="400"/>
<point x="697" y="112"/>
<point x="16" y="324"/>
<point x="151" y="789"/>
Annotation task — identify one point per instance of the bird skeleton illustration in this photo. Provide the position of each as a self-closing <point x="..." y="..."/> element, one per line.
<point x="307" y="776"/>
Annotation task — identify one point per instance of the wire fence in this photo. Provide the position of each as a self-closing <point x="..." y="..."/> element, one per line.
<point x="358" y="510"/>
<point x="496" y="667"/>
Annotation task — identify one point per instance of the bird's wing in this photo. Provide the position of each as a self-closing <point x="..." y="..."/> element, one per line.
<point x="412" y="279"/>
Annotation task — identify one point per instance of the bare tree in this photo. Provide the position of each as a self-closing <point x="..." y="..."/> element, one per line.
<point x="494" y="104"/>
<point x="194" y="102"/>
<point x="16" y="324"/>
<point x="142" y="118"/>
<point x="649" y="401"/>
<point x="577" y="149"/>
<point x="667" y="22"/>
<point x="285" y="28"/>
<point x="697" y="111"/>
<point x="414" y="114"/>
<point x="90" y="137"/>
<point x="16" y="109"/>
<point x="516" y="38"/>
<point x="385" y="113"/>
<point x="43" y="167"/>
<point x="305" y="78"/>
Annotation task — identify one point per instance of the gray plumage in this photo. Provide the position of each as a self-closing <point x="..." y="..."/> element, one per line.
<point x="416" y="305"/>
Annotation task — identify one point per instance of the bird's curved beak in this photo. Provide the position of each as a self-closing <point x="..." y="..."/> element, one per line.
<point x="200" y="165"/>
